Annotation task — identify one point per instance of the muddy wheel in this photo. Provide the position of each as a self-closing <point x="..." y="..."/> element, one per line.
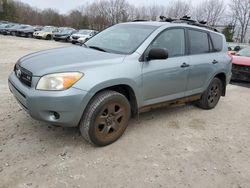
<point x="212" y="95"/>
<point x="105" y="118"/>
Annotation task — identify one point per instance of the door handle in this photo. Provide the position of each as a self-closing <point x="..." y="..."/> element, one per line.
<point x="184" y="65"/>
<point x="215" y="62"/>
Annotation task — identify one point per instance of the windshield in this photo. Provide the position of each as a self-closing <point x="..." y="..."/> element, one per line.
<point x="121" y="38"/>
<point x="84" y="32"/>
<point x="244" y="52"/>
<point x="24" y="27"/>
<point x="67" y="31"/>
<point x="48" y="29"/>
<point x="15" y="27"/>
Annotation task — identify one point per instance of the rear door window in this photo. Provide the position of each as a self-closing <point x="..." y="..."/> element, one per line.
<point x="198" y="42"/>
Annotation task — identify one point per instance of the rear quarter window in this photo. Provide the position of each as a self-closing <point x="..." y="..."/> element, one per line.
<point x="217" y="42"/>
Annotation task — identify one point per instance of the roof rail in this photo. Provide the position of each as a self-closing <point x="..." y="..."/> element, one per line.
<point x="187" y="19"/>
<point x="139" y="20"/>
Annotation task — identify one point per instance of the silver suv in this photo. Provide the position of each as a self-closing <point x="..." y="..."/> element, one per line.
<point x="120" y="72"/>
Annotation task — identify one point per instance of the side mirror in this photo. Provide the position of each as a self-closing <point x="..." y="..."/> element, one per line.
<point x="157" y="53"/>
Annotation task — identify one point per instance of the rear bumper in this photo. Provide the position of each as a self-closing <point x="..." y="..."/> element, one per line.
<point x="21" y="34"/>
<point x="63" y="108"/>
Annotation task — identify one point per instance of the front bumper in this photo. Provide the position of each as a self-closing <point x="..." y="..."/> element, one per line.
<point x="241" y="73"/>
<point x="63" y="108"/>
<point x="39" y="36"/>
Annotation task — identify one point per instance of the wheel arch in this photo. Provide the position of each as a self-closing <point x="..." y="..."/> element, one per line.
<point x="223" y="78"/>
<point x="126" y="90"/>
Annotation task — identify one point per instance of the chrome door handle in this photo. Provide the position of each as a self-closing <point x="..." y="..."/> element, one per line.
<point x="215" y="62"/>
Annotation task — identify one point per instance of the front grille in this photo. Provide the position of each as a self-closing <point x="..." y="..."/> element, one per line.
<point x="23" y="75"/>
<point x="241" y="72"/>
<point x="241" y="68"/>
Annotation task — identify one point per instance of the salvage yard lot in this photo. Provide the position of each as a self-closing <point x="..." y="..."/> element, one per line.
<point x="171" y="147"/>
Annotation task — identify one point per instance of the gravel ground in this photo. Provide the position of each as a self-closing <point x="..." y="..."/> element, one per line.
<point x="172" y="147"/>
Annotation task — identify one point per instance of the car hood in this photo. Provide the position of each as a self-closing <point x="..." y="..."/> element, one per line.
<point x="241" y="60"/>
<point x="43" y="32"/>
<point x="80" y="35"/>
<point x="67" y="59"/>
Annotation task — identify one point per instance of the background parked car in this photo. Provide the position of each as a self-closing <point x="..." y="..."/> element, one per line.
<point x="46" y="33"/>
<point x="4" y="27"/>
<point x="241" y="65"/>
<point x="64" y="34"/>
<point x="233" y="47"/>
<point x="82" y="35"/>
<point x="13" y="30"/>
<point x="28" y="31"/>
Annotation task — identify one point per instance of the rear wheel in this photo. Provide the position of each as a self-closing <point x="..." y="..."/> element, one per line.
<point x="212" y="95"/>
<point x="106" y="118"/>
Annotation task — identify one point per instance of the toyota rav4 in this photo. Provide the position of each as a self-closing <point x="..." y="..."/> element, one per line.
<point x="119" y="73"/>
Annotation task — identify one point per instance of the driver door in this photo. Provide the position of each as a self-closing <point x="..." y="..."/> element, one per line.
<point x="165" y="80"/>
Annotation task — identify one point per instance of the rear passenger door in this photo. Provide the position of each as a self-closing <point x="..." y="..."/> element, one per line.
<point x="201" y="59"/>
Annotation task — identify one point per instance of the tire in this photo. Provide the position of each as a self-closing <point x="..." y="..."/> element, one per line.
<point x="105" y="118"/>
<point x="48" y="37"/>
<point x="30" y="35"/>
<point x="73" y="42"/>
<point x="211" y="96"/>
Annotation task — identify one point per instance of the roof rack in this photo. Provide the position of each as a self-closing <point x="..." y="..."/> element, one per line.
<point x="139" y="20"/>
<point x="187" y="20"/>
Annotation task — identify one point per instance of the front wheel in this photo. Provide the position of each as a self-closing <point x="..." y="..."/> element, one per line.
<point x="48" y="37"/>
<point x="30" y="35"/>
<point x="105" y="118"/>
<point x="212" y="95"/>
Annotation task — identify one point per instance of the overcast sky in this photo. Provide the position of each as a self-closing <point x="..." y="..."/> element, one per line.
<point x="64" y="6"/>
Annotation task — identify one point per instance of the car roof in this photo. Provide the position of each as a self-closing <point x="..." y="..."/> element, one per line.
<point x="160" y="24"/>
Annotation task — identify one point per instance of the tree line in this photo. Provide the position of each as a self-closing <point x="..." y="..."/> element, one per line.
<point x="103" y="13"/>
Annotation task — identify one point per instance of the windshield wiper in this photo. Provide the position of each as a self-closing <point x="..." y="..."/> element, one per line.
<point x="97" y="48"/>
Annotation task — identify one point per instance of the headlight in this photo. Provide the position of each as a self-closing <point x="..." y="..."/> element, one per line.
<point x="58" y="81"/>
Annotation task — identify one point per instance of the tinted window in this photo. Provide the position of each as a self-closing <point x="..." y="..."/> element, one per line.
<point x="217" y="41"/>
<point x="198" y="42"/>
<point x="173" y="40"/>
